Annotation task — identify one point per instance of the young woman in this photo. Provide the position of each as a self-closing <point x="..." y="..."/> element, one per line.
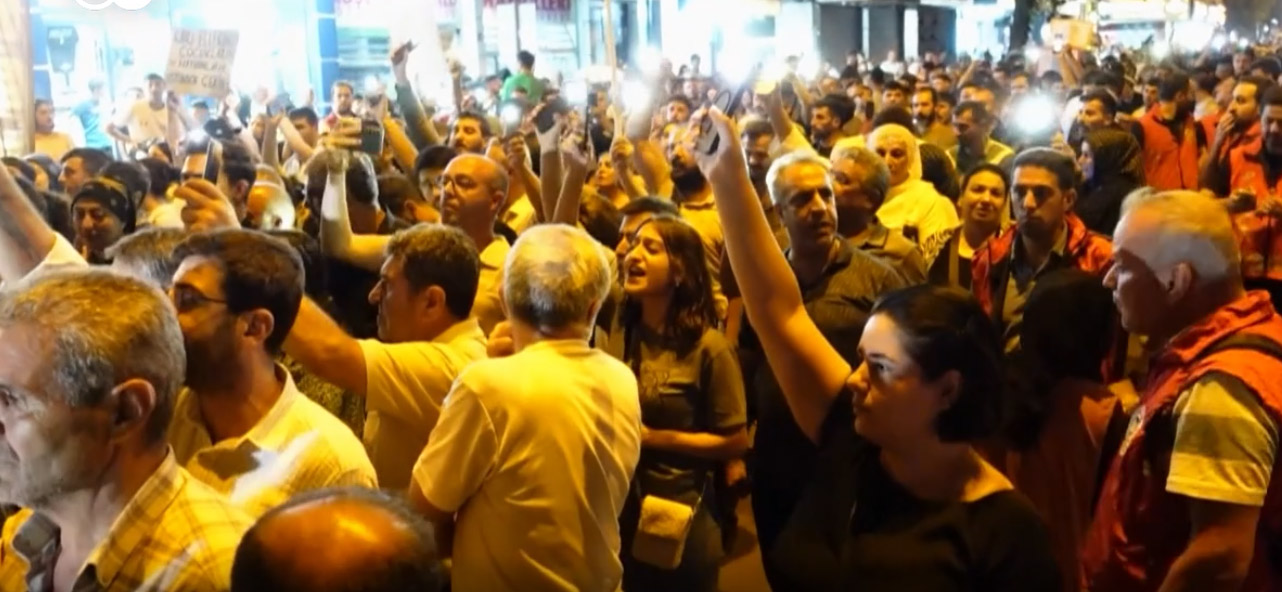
<point x="983" y="206"/>
<point x="912" y="205"/>
<point x="1112" y="167"/>
<point x="918" y="509"/>
<point x="692" y="398"/>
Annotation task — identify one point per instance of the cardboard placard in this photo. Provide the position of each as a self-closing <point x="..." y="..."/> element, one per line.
<point x="200" y="62"/>
<point x="1074" y="32"/>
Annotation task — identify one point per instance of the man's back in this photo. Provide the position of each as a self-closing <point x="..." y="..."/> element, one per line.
<point x="535" y="452"/>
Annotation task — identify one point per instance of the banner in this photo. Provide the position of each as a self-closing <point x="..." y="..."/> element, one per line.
<point x="200" y="62"/>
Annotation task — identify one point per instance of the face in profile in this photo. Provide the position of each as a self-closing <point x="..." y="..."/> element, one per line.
<point x="893" y="402"/>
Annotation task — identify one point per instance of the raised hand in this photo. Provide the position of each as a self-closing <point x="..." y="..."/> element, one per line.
<point x="399" y="57"/>
<point x="727" y="160"/>
<point x="205" y="206"/>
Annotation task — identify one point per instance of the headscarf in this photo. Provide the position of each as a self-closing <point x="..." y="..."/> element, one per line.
<point x="1118" y="170"/>
<point x="113" y="196"/>
<point x="899" y="134"/>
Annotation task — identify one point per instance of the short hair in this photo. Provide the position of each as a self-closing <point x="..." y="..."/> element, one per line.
<point x="41" y="103"/>
<point x="153" y="77"/>
<point x="434" y="157"/>
<point x="92" y="159"/>
<point x="103" y="329"/>
<point x="1060" y="165"/>
<point x="481" y="120"/>
<point x="1270" y="65"/>
<point x="305" y="113"/>
<point x="1172" y="84"/>
<point x="439" y="255"/>
<point x="895" y="115"/>
<point x="978" y="112"/>
<point x="987" y="167"/>
<point x="684" y="100"/>
<point x="792" y="159"/>
<point x="945" y="329"/>
<point x="135" y="178"/>
<point x="877" y="76"/>
<point x="753" y="128"/>
<point x="415" y="565"/>
<point x="600" y="218"/>
<point x="259" y="272"/>
<point x="649" y="205"/>
<point x="1206" y="82"/>
<point x="160" y="173"/>
<point x="47" y="164"/>
<point x="895" y="85"/>
<point x="315" y="279"/>
<point x="150" y="250"/>
<point x="930" y="90"/>
<point x="395" y="190"/>
<point x="941" y="73"/>
<point x="1104" y="98"/>
<point x="1192" y="228"/>
<point x="555" y="276"/>
<point x="1103" y="78"/>
<point x="525" y="59"/>
<point x="1261" y="84"/>
<point x="343" y="84"/>
<point x="238" y="163"/>
<point x="874" y="181"/>
<point x="1051" y="77"/>
<point x="841" y="107"/>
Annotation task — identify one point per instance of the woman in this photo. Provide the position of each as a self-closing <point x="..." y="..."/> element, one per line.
<point x="938" y="170"/>
<point x="692" y="398"/>
<point x="912" y="205"/>
<point x="983" y="212"/>
<point x="919" y="509"/>
<point x="1064" y="408"/>
<point x="859" y="188"/>
<point x="605" y="182"/>
<point x="47" y="172"/>
<point x="1112" y="167"/>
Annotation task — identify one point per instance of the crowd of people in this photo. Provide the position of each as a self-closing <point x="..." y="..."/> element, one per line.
<point x="964" y="326"/>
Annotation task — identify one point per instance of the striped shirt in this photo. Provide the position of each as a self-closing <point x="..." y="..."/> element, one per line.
<point x="175" y="534"/>
<point x="1225" y="443"/>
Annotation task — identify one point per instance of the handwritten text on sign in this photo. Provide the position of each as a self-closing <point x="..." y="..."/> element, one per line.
<point x="200" y="62"/>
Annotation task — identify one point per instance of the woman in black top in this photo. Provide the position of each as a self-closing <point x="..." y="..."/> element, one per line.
<point x="692" y="398"/>
<point x="983" y="206"/>
<point x="919" y="509"/>
<point x="1112" y="167"/>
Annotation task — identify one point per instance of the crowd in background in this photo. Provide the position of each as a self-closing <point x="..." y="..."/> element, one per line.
<point x="946" y="325"/>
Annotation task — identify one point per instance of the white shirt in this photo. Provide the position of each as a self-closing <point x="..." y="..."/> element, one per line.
<point x="144" y="123"/>
<point x="488" y="306"/>
<point x="535" y="452"/>
<point x="297" y="446"/>
<point x="405" y="386"/>
<point x="916" y="203"/>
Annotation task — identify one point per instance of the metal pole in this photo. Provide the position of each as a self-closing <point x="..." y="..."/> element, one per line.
<point x="516" y="4"/>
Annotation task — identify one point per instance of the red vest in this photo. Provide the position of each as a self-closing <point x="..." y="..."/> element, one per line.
<point x="1169" y="162"/>
<point x="1084" y="249"/>
<point x="1259" y="235"/>
<point x="1139" y="529"/>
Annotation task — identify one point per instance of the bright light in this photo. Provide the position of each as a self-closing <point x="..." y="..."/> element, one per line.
<point x="511" y="115"/>
<point x="1161" y="49"/>
<point x="636" y="95"/>
<point x="1194" y="35"/>
<point x="734" y="66"/>
<point x="1217" y="40"/>
<point x="650" y="59"/>
<point x="1243" y="43"/>
<point x="809" y="66"/>
<point x="575" y="92"/>
<point x="1035" y="114"/>
<point x="1033" y="54"/>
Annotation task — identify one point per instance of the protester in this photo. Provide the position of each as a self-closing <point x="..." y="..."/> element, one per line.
<point x="984" y="210"/>
<point x="1187" y="504"/>
<point x="49" y="142"/>
<point x="79" y="166"/>
<point x="1112" y="167"/>
<point x="1171" y="140"/>
<point x="912" y="205"/>
<point x="974" y="124"/>
<point x="860" y="182"/>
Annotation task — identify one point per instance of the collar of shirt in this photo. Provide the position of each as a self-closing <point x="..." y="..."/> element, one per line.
<point x="188" y="413"/>
<point x="468" y="328"/>
<point x="1057" y="251"/>
<point x="875" y="237"/>
<point x="707" y="204"/>
<point x="37" y="540"/>
<point x="494" y="254"/>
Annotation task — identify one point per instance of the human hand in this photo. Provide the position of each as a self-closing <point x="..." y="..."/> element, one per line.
<point x="399" y="58"/>
<point x="516" y="150"/>
<point x="500" y="343"/>
<point x="727" y="159"/>
<point x="205" y="207"/>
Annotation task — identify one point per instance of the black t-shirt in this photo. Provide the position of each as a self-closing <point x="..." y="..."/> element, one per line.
<point x="857" y="529"/>
<point x="939" y="272"/>
<point x="349" y="286"/>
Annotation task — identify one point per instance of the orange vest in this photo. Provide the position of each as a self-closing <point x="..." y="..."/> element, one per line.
<point x="1259" y="234"/>
<point x="1169" y="163"/>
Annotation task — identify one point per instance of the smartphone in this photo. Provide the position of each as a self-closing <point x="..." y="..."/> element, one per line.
<point x="212" y="154"/>
<point x="371" y="137"/>
<point x="547" y="116"/>
<point x="728" y="102"/>
<point x="280" y="104"/>
<point x="510" y="115"/>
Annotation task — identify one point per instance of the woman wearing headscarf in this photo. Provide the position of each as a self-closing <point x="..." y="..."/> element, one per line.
<point x="912" y="206"/>
<point x="1112" y="167"/>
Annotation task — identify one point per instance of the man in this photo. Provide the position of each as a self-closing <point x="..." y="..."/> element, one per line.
<point x="102" y="212"/>
<point x="339" y="539"/>
<point x="343" y="99"/>
<point x="1255" y="183"/>
<point x="1188" y="502"/>
<point x="426" y="326"/>
<point x="973" y="122"/>
<point x="677" y="109"/>
<point x="1242" y="60"/>
<point x="1092" y="82"/>
<point x="236" y="173"/>
<point x="1097" y="110"/>
<point x="524" y="79"/>
<point x="850" y="71"/>
<point x="895" y="94"/>
<point x="828" y="121"/>
<point x="1171" y="140"/>
<point x="694" y="198"/>
<point x="530" y="463"/>
<point x="78" y="166"/>
<point x="984" y="93"/>
<point x="860" y="182"/>
<point x="53" y="144"/>
<point x="144" y="120"/>
<point x="470" y="133"/>
<point x="1046" y="236"/>
<point x="200" y="113"/>
<point x="90" y="363"/>
<point x="148" y="255"/>
<point x="929" y="128"/>
<point x="241" y="426"/>
<point x="941" y="82"/>
<point x="1020" y="84"/>
<point x="839" y="284"/>
<point x="89" y="113"/>
<point x="428" y="167"/>
<point x="1238" y="125"/>
<point x="1204" y="96"/>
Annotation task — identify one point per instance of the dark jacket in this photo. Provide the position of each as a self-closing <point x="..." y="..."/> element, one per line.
<point x="1119" y="170"/>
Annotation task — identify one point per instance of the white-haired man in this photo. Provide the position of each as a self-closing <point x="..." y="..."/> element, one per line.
<point x="1188" y="503"/>
<point x="533" y="452"/>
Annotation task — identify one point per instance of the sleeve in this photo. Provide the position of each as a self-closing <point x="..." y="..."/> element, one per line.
<point x="1137" y="130"/>
<point x="461" y="452"/>
<point x="913" y="266"/>
<point x="941" y="216"/>
<point x="1014" y="552"/>
<point x="61" y="255"/>
<point x="795" y="141"/>
<point x="1225" y="443"/>
<point x="402" y="379"/>
<point x="727" y="404"/>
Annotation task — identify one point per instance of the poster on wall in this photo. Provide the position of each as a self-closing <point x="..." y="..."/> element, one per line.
<point x="200" y="62"/>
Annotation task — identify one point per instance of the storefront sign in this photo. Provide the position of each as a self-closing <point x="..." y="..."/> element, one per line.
<point x="200" y="62"/>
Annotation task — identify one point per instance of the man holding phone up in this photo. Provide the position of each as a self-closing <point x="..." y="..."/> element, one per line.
<point x="229" y="168"/>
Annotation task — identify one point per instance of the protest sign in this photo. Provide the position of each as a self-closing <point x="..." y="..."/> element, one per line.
<point x="200" y="62"/>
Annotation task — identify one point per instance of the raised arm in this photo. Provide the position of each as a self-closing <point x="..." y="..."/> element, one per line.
<point x="417" y="125"/>
<point x="810" y="371"/>
<point x="324" y="349"/>
<point x="25" y="238"/>
<point x="336" y="237"/>
<point x="576" y="172"/>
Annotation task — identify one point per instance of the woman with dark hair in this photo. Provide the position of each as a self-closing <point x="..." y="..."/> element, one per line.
<point x="1062" y="409"/>
<point x="692" y="400"/>
<point x="918" y="508"/>
<point x="1112" y="167"/>
<point x="984" y="210"/>
<point x="938" y="170"/>
<point x="47" y="171"/>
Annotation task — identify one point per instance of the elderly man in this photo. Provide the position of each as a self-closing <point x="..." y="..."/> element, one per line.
<point x="90" y="364"/>
<point x="1189" y="503"/>
<point x="534" y="452"/>
<point x="340" y="539"/>
<point x="860" y="182"/>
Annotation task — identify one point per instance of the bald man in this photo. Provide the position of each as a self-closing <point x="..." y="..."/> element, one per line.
<point x="269" y="207"/>
<point x="343" y="539"/>
<point x="473" y="191"/>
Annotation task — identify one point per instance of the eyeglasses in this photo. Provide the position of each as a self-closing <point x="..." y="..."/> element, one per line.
<point x="187" y="298"/>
